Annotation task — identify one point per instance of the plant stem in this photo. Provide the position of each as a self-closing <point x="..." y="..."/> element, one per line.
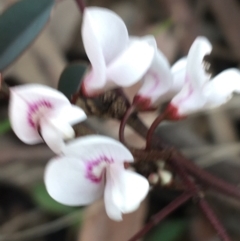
<point x="201" y="175"/>
<point x="135" y="122"/>
<point x="81" y="5"/>
<point x="123" y="123"/>
<point x="162" y="214"/>
<point x="208" y="179"/>
<point x="207" y="210"/>
<point x="152" y="129"/>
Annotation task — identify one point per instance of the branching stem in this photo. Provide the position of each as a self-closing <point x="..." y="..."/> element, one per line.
<point x="201" y="175"/>
<point x="162" y="214"/>
<point x="207" y="210"/>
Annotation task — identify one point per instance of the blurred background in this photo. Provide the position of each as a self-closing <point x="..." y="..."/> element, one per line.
<point x="211" y="139"/>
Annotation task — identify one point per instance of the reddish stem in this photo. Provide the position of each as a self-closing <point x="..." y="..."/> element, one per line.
<point x="207" y="210"/>
<point x="123" y="123"/>
<point x="207" y="178"/>
<point x="153" y="127"/>
<point x="81" y="5"/>
<point x="198" y="173"/>
<point x="162" y="214"/>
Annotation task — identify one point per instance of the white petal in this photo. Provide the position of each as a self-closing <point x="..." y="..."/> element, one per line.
<point x="195" y="69"/>
<point x="108" y="29"/>
<point x="220" y="89"/>
<point x="66" y="182"/>
<point x="132" y="64"/>
<point x="34" y="92"/>
<point x="93" y="146"/>
<point x="147" y="38"/>
<point x="71" y="114"/>
<point x="18" y="115"/>
<point x="179" y="74"/>
<point x="158" y="79"/>
<point x="104" y="37"/>
<point x="22" y="99"/>
<point x="111" y="193"/>
<point x="52" y="136"/>
<point x="188" y="101"/>
<point x="125" y="191"/>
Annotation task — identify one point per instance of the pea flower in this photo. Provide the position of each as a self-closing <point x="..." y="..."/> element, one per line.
<point x="92" y="167"/>
<point x="200" y="91"/>
<point x="40" y="113"/>
<point x="115" y="60"/>
<point x="159" y="85"/>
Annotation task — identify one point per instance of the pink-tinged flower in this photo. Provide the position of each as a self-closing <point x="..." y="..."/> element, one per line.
<point x="159" y="85"/>
<point x="200" y="91"/>
<point x="40" y="113"/>
<point x="115" y="60"/>
<point x="93" y="167"/>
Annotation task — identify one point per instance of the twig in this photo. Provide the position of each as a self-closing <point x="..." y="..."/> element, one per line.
<point x="162" y="214"/>
<point x="208" y="179"/>
<point x="207" y="210"/>
<point x="198" y="173"/>
<point x="213" y="220"/>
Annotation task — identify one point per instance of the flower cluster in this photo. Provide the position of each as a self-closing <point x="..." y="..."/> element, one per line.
<point x="92" y="167"/>
<point x="88" y="167"/>
<point x="119" y="60"/>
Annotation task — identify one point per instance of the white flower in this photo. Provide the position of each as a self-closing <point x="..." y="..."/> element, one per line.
<point x="115" y="60"/>
<point x="200" y="91"/>
<point x="159" y="85"/>
<point x="93" y="167"/>
<point x="40" y="109"/>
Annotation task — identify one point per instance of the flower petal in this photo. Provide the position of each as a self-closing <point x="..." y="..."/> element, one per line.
<point x="18" y="115"/>
<point x="93" y="146"/>
<point x="158" y="79"/>
<point x="110" y="194"/>
<point x="132" y="64"/>
<point x="104" y="37"/>
<point x="220" y="89"/>
<point x="24" y="100"/>
<point x="195" y="69"/>
<point x="66" y="183"/>
<point x="188" y="101"/>
<point x="124" y="191"/>
<point x="54" y="133"/>
<point x="179" y="74"/>
<point x="71" y="114"/>
<point x="34" y="92"/>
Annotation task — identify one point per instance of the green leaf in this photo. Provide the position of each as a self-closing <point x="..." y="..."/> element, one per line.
<point x="170" y="230"/>
<point x="44" y="201"/>
<point x="70" y="79"/>
<point x="5" y="126"/>
<point x="19" y="26"/>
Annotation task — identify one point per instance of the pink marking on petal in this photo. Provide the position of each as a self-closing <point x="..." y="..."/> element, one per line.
<point x="35" y="111"/>
<point x="97" y="164"/>
<point x="190" y="90"/>
<point x="156" y="82"/>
